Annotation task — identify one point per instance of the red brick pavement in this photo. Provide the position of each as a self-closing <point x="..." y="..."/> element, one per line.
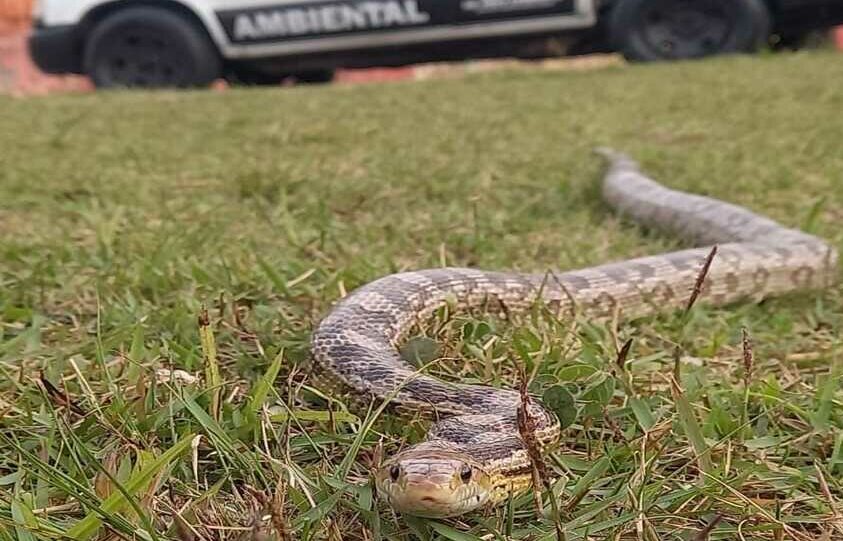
<point x="18" y="75"/>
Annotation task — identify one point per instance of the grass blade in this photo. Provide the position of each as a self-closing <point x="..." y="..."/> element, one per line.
<point x="450" y="533"/>
<point x="265" y="384"/>
<point x="691" y="427"/>
<point x="213" y="381"/>
<point x="89" y="525"/>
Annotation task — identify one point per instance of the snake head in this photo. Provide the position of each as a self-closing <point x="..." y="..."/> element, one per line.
<point x="433" y="483"/>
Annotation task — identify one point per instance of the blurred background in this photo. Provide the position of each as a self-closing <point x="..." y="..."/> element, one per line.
<point x="19" y="74"/>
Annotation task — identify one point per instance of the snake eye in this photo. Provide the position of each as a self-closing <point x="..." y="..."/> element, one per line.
<point x="394" y="472"/>
<point x="465" y="473"/>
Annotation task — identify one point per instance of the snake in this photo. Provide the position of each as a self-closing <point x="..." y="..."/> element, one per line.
<point x="473" y="455"/>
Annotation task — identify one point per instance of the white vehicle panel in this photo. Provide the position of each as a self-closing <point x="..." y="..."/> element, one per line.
<point x="267" y="28"/>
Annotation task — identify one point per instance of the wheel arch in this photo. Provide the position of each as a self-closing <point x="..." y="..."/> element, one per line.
<point x="101" y="11"/>
<point x="774" y="6"/>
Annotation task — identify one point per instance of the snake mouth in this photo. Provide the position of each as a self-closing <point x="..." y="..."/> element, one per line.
<point x="424" y="497"/>
<point x="442" y="505"/>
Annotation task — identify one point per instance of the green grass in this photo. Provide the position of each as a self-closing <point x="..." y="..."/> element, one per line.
<point x="122" y="215"/>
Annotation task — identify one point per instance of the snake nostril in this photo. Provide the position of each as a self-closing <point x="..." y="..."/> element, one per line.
<point x="394" y="472"/>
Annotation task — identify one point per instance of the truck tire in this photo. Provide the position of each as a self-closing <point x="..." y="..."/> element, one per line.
<point x="652" y="30"/>
<point x="150" y="47"/>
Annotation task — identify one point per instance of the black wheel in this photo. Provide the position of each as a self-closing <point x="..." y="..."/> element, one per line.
<point x="150" y="47"/>
<point x="649" y="30"/>
<point x="315" y="76"/>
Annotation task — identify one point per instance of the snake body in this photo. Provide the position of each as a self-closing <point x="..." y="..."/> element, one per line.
<point x="473" y="455"/>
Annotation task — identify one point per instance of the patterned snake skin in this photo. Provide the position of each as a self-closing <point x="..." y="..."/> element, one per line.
<point x="473" y="455"/>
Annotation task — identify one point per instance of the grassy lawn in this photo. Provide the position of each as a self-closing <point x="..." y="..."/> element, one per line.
<point x="122" y="215"/>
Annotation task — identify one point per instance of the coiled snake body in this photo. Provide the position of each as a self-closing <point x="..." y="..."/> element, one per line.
<point x="473" y="455"/>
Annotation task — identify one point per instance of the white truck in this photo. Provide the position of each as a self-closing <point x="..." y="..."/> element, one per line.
<point x="166" y="43"/>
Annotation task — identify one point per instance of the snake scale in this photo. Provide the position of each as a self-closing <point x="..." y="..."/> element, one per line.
<point x="473" y="455"/>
